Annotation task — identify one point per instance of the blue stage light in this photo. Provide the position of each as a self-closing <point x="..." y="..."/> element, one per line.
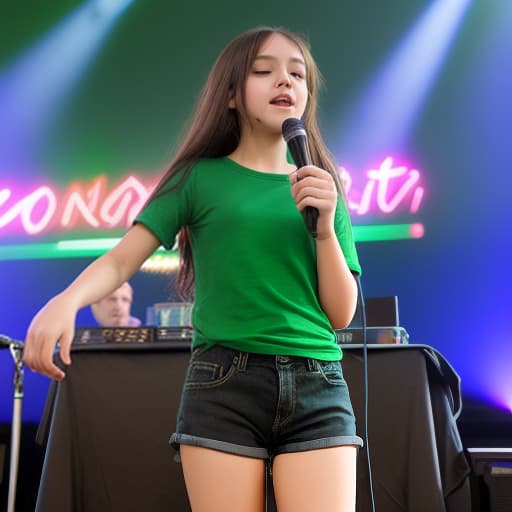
<point x="381" y="118"/>
<point x="37" y="84"/>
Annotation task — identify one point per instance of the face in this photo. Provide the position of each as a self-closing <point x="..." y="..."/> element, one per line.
<point x="114" y="310"/>
<point x="276" y="86"/>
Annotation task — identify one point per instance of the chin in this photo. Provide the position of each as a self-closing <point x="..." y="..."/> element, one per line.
<point x="273" y="125"/>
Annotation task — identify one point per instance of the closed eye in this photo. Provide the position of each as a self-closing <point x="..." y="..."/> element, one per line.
<point x="261" y="72"/>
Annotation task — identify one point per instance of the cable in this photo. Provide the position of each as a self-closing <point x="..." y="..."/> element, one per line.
<point x="365" y="374"/>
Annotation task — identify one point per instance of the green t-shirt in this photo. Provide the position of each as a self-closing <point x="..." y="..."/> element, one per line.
<point x="254" y="260"/>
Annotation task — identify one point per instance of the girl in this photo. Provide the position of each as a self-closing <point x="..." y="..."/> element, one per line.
<point x="264" y="382"/>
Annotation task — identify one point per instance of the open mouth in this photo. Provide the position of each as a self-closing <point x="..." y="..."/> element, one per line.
<point x="282" y="100"/>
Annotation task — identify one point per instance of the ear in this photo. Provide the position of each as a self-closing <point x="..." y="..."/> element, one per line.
<point x="232" y="100"/>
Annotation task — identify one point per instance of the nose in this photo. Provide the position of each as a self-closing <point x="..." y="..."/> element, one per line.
<point x="283" y="79"/>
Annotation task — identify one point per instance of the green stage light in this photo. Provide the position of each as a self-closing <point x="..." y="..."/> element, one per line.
<point x="93" y="247"/>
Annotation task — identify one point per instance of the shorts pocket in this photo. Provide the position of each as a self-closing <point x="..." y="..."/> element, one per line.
<point x="207" y="371"/>
<point x="331" y="372"/>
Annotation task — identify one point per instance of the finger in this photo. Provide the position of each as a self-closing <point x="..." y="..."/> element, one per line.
<point x="45" y="367"/>
<point x="45" y="364"/>
<point x="31" y="350"/>
<point x="320" y="204"/>
<point x="27" y="354"/>
<point x="312" y="170"/>
<point x="316" y="193"/>
<point x="49" y="367"/>
<point x="65" y="347"/>
<point x="303" y="172"/>
<point x="313" y="182"/>
<point x="53" y="371"/>
<point x="324" y="200"/>
<point x="294" y="177"/>
<point x="39" y="356"/>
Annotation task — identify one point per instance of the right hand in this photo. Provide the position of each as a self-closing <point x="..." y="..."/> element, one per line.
<point x="54" y="323"/>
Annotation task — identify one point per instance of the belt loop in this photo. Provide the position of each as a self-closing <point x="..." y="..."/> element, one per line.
<point x="242" y="361"/>
<point x="311" y="365"/>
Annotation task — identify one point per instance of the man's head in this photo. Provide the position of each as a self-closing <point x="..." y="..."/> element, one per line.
<point x="114" y="309"/>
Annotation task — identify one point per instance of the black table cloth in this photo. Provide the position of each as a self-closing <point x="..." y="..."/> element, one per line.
<point x="107" y="427"/>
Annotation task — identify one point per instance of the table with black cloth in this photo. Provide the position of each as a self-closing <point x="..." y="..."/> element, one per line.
<point x="108" y="423"/>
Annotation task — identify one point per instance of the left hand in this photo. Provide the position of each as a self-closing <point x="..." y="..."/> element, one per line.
<point x="312" y="186"/>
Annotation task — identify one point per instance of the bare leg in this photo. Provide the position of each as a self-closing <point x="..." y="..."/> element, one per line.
<point x="316" y="480"/>
<point x="218" y="481"/>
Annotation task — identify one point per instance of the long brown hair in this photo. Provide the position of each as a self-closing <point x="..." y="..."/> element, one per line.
<point x="215" y="129"/>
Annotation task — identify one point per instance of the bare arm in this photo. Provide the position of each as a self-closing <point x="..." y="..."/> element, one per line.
<point x="337" y="287"/>
<point x="55" y="321"/>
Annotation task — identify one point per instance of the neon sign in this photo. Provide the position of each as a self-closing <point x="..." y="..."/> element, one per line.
<point x="388" y="189"/>
<point x="43" y="211"/>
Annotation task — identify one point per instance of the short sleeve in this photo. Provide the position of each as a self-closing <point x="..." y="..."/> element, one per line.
<point x="345" y="235"/>
<point x="169" y="211"/>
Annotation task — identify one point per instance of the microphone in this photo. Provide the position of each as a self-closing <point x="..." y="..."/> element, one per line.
<point x="6" y="342"/>
<point x="296" y="137"/>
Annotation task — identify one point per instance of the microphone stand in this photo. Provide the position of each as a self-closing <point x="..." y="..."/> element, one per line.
<point x="16" y="350"/>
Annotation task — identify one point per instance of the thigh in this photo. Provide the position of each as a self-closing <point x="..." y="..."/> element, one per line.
<point x="218" y="481"/>
<point x="316" y="480"/>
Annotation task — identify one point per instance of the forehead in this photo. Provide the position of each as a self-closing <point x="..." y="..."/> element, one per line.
<point x="123" y="292"/>
<point x="278" y="45"/>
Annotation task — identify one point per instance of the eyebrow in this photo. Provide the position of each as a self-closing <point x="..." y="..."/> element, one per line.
<point x="296" y="60"/>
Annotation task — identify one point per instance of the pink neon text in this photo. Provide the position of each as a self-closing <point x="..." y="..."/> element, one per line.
<point x="387" y="190"/>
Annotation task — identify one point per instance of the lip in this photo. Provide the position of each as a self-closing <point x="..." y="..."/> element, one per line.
<point x="286" y="97"/>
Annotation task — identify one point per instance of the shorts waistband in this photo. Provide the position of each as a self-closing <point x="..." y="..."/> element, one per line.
<point x="242" y="359"/>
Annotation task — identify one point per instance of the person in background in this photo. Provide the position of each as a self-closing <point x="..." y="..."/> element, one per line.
<point x="114" y="309"/>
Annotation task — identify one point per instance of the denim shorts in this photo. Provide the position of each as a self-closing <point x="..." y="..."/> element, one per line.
<point x="261" y="406"/>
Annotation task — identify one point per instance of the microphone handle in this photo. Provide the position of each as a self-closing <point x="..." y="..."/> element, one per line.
<point x="310" y="214"/>
<point x="300" y="155"/>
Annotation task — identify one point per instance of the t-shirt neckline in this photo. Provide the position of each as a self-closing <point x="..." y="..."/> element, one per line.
<point x="254" y="173"/>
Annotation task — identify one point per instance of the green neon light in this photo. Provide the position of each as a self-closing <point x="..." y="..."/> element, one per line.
<point x="64" y="249"/>
<point x="381" y="232"/>
<point x="87" y="243"/>
<point x="93" y="247"/>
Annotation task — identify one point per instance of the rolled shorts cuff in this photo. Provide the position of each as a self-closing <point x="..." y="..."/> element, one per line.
<point x="262" y="453"/>
<point x="236" y="449"/>
<point x="318" y="444"/>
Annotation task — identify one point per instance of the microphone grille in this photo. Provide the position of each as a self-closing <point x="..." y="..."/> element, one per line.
<point x="292" y="128"/>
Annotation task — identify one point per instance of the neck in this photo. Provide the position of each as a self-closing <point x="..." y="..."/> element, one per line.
<point x="263" y="152"/>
